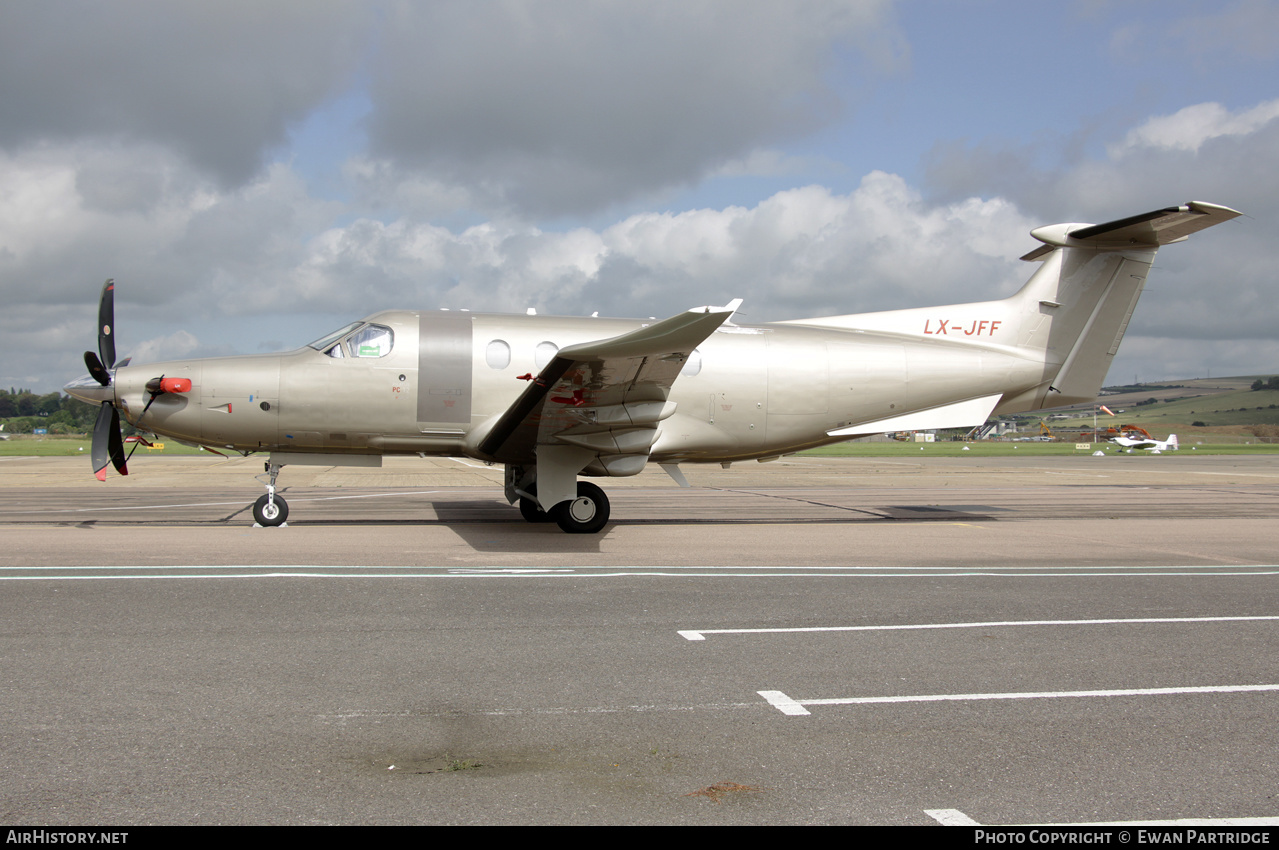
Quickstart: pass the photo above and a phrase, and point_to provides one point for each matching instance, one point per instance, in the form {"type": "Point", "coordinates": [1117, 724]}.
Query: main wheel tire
{"type": "Point", "coordinates": [268, 512]}
{"type": "Point", "coordinates": [586, 514]}
{"type": "Point", "coordinates": [531, 510]}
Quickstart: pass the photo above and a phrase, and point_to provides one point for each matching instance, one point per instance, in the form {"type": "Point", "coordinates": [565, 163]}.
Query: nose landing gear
{"type": "Point", "coordinates": [270, 510]}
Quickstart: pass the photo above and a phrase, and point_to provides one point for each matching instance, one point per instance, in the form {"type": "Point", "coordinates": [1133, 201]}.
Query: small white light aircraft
{"type": "Point", "coordinates": [552, 398]}
{"type": "Point", "coordinates": [1168, 445]}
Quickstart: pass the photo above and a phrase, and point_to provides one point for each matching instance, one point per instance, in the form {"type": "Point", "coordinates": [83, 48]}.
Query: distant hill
{"type": "Point", "coordinates": [1224, 406]}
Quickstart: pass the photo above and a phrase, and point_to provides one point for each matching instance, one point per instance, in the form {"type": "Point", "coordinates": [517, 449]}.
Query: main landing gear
{"type": "Point", "coordinates": [586, 514]}
{"type": "Point", "coordinates": [270, 510]}
{"type": "Point", "coordinates": [579, 507]}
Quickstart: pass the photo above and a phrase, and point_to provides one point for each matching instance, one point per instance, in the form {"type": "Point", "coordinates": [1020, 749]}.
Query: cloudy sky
{"type": "Point", "coordinates": [254, 174]}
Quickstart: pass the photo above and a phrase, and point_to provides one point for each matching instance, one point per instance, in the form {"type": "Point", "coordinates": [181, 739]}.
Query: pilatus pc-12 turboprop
{"type": "Point", "coordinates": [554, 398]}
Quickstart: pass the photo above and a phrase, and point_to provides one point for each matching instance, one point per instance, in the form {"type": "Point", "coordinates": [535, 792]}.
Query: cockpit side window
{"type": "Point", "coordinates": [370, 341]}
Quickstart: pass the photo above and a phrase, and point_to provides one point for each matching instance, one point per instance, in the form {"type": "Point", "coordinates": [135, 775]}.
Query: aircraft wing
{"type": "Point", "coordinates": [606, 396]}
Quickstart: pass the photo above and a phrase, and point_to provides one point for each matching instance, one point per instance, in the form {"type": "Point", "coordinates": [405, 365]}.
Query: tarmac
{"type": "Point", "coordinates": [809, 641]}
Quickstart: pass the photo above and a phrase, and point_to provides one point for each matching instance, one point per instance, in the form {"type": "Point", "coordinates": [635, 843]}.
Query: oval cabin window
{"type": "Point", "coordinates": [497, 354]}
{"type": "Point", "coordinates": [545, 352]}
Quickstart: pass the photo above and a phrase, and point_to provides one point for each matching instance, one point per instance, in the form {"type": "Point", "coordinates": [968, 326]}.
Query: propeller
{"type": "Point", "coordinates": [100, 387]}
{"type": "Point", "coordinates": [108, 442]}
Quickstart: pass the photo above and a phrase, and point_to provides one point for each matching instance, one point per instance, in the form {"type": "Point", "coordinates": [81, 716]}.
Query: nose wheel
{"type": "Point", "coordinates": [270, 510]}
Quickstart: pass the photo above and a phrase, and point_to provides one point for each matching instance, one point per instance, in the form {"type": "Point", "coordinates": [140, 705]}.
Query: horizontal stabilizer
{"type": "Point", "coordinates": [1151, 229]}
{"type": "Point", "coordinates": [1159, 227]}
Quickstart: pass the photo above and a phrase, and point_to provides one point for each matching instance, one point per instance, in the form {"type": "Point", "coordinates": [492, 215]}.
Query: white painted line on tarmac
{"type": "Point", "coordinates": [783, 703]}
{"type": "Point", "coordinates": [791, 706]}
{"type": "Point", "coordinates": [954, 817]}
{"type": "Point", "coordinates": [293, 498]}
{"type": "Point", "coordinates": [950, 817]}
{"type": "Point", "coordinates": [700, 634]}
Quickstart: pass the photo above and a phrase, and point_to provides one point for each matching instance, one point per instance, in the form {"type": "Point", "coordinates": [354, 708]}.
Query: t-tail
{"type": "Point", "coordinates": [1072, 313]}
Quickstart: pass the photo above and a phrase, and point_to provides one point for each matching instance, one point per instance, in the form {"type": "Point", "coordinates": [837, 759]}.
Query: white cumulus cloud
{"type": "Point", "coordinates": [1189, 128]}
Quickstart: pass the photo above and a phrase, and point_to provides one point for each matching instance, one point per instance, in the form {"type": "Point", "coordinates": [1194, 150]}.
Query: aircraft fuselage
{"type": "Point", "coordinates": [749, 391]}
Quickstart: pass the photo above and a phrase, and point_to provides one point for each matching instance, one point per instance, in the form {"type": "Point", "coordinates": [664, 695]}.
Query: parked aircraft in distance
{"type": "Point", "coordinates": [551, 398]}
{"type": "Point", "coordinates": [1168, 445]}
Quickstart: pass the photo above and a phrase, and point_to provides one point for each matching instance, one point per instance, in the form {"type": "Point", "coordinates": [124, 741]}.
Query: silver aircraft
{"type": "Point", "coordinates": [555, 398]}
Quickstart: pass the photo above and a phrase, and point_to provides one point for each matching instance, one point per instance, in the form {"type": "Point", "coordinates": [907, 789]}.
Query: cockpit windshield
{"type": "Point", "coordinates": [358, 339]}
{"type": "Point", "coordinates": [325, 342]}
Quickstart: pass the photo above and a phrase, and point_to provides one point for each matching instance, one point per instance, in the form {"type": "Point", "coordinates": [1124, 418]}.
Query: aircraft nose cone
{"type": "Point", "coordinates": [87, 389]}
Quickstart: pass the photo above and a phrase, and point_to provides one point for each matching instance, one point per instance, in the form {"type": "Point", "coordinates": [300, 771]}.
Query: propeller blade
{"type": "Point", "coordinates": [96, 369]}
{"type": "Point", "coordinates": [116, 444]}
{"type": "Point", "coordinates": [108, 444]}
{"type": "Point", "coordinates": [101, 451]}
{"type": "Point", "coordinates": [106, 325]}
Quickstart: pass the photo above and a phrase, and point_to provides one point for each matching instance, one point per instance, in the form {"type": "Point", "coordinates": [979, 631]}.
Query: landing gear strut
{"type": "Point", "coordinates": [531, 510]}
{"type": "Point", "coordinates": [270, 510]}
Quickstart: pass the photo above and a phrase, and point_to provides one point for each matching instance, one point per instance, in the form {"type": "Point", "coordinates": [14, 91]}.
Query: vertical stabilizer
{"type": "Point", "coordinates": [1096, 274]}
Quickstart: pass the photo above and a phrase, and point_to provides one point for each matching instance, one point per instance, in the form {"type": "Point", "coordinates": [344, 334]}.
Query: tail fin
{"type": "Point", "coordinates": [1172, 442]}
{"type": "Point", "coordinates": [1088, 287]}
{"type": "Point", "coordinates": [1071, 314]}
